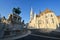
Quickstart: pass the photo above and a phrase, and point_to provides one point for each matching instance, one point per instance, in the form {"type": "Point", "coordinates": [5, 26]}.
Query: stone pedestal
{"type": "Point", "coordinates": [1, 33]}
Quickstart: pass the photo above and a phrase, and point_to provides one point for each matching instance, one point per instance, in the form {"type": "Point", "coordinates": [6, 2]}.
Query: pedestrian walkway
{"type": "Point", "coordinates": [45, 36]}
{"type": "Point", "coordinates": [17, 37]}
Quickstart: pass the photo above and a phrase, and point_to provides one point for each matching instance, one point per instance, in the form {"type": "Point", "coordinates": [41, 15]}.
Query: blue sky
{"type": "Point", "coordinates": [25, 5]}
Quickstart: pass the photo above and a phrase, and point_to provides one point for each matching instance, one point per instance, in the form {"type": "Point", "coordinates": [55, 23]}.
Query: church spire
{"type": "Point", "coordinates": [35, 16]}
{"type": "Point", "coordinates": [31, 14]}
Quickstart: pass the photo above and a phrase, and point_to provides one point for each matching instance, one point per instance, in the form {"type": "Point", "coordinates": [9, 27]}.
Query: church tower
{"type": "Point", "coordinates": [31, 14]}
{"type": "Point", "coordinates": [35, 16]}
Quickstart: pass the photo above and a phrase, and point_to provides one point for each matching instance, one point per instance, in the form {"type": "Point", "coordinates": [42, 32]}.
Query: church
{"type": "Point", "coordinates": [44, 20]}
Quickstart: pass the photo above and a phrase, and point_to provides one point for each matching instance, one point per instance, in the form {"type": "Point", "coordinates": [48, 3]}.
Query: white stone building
{"type": "Point", "coordinates": [44, 20]}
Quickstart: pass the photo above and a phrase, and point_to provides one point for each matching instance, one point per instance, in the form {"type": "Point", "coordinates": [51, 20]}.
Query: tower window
{"type": "Point", "coordinates": [52, 21]}
{"type": "Point", "coordinates": [45, 16]}
{"type": "Point", "coordinates": [51, 15]}
{"type": "Point", "coordinates": [30, 21]}
{"type": "Point", "coordinates": [39, 22]}
{"type": "Point", "coordinates": [47, 21]}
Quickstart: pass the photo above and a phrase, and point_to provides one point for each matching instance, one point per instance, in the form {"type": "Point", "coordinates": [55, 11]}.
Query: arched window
{"type": "Point", "coordinates": [39, 21]}
{"type": "Point", "coordinates": [51, 15]}
{"type": "Point", "coordinates": [59, 24]}
{"type": "Point", "coordinates": [46, 21]}
{"type": "Point", "coordinates": [52, 20]}
{"type": "Point", "coordinates": [45, 16]}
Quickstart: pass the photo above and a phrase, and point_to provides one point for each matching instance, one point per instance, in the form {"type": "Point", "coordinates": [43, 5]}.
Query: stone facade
{"type": "Point", "coordinates": [58, 18]}
{"type": "Point", "coordinates": [13, 22]}
{"type": "Point", "coordinates": [45, 20]}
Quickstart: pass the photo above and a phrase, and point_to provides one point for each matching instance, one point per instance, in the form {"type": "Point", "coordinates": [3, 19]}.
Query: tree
{"type": "Point", "coordinates": [16, 10]}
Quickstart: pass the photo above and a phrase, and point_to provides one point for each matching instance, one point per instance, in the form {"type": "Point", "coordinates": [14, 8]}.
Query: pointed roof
{"type": "Point", "coordinates": [37, 15]}
{"type": "Point", "coordinates": [58, 17]}
{"type": "Point", "coordinates": [31, 11]}
{"type": "Point", "coordinates": [45, 12]}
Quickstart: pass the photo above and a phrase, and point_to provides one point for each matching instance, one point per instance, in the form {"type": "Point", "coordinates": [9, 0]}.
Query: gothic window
{"type": "Point", "coordinates": [59, 24]}
{"type": "Point", "coordinates": [52, 20]}
{"type": "Point", "coordinates": [51, 15]}
{"type": "Point", "coordinates": [47, 21]}
{"type": "Point", "coordinates": [46, 16]}
{"type": "Point", "coordinates": [39, 21]}
{"type": "Point", "coordinates": [30, 21]}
